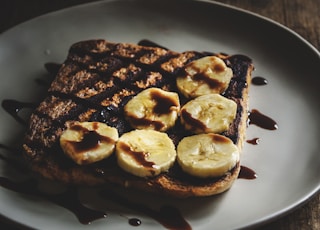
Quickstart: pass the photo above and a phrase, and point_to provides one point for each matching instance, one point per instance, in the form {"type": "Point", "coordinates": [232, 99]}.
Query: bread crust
{"type": "Point", "coordinates": [94, 83]}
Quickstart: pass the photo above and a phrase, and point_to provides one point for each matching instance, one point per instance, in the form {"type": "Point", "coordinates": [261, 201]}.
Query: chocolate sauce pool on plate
{"type": "Point", "coordinates": [68, 199]}
{"type": "Point", "coordinates": [261, 120]}
{"type": "Point", "coordinates": [52, 67]}
{"type": "Point", "coordinates": [13, 107]}
{"type": "Point", "coordinates": [259, 81]}
{"type": "Point", "coordinates": [146, 42]}
{"type": "Point", "coordinates": [168, 216]}
{"type": "Point", "coordinates": [254, 141]}
{"type": "Point", "coordinates": [134, 221]}
{"type": "Point", "coordinates": [247, 173]}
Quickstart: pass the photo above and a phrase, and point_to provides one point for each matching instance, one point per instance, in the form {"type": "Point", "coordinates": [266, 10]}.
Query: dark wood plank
{"type": "Point", "coordinates": [301, 16]}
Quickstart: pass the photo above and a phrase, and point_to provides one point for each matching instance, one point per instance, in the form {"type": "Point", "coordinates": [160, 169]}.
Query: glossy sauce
{"type": "Point", "coordinates": [139, 157]}
{"type": "Point", "coordinates": [14, 159]}
{"type": "Point", "coordinates": [202, 76]}
{"type": "Point", "coordinates": [42, 82]}
{"type": "Point", "coordinates": [134, 222]}
{"type": "Point", "coordinates": [68, 199]}
{"type": "Point", "coordinates": [164, 104]}
{"type": "Point", "coordinates": [146, 42]}
{"type": "Point", "coordinates": [261, 120]}
{"type": "Point", "coordinates": [259, 81]}
{"type": "Point", "coordinates": [254, 141]}
{"type": "Point", "coordinates": [91, 139]}
{"type": "Point", "coordinates": [220, 139]}
{"type": "Point", "coordinates": [13, 107]}
{"type": "Point", "coordinates": [190, 120]}
{"type": "Point", "coordinates": [52, 67]}
{"type": "Point", "coordinates": [212, 83]}
{"type": "Point", "coordinates": [146, 122]}
{"type": "Point", "coordinates": [247, 173]}
{"type": "Point", "coordinates": [168, 216]}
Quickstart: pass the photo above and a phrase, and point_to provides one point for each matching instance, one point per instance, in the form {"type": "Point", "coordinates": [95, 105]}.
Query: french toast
{"type": "Point", "coordinates": [96, 81]}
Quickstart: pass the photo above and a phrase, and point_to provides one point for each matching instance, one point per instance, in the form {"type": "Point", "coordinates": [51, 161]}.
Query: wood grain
{"type": "Point", "coordinates": [302, 16]}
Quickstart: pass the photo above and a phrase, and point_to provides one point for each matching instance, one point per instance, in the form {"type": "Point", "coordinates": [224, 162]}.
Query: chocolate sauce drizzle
{"type": "Point", "coordinates": [134, 222]}
{"type": "Point", "coordinates": [68, 199]}
{"type": "Point", "coordinates": [42, 82]}
{"type": "Point", "coordinates": [13, 107]}
{"type": "Point", "coordinates": [138, 156]}
{"type": "Point", "coordinates": [247, 173]}
{"type": "Point", "coordinates": [146, 42]}
{"type": "Point", "coordinates": [90, 141]}
{"type": "Point", "coordinates": [261, 120]}
{"type": "Point", "coordinates": [168, 216]}
{"type": "Point", "coordinates": [52, 67]}
{"type": "Point", "coordinates": [254, 141]}
{"type": "Point", "coordinates": [259, 81]}
{"type": "Point", "coordinates": [15, 161]}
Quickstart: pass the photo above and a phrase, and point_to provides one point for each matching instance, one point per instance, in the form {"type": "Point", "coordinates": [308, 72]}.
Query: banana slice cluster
{"type": "Point", "coordinates": [147, 150]}
{"type": "Point", "coordinates": [207, 153]}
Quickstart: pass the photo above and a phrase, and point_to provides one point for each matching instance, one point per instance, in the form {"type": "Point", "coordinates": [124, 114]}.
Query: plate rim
{"type": "Point", "coordinates": [272, 22]}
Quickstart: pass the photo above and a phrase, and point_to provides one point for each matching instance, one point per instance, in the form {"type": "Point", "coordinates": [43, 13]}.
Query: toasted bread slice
{"type": "Point", "coordinates": [94, 83]}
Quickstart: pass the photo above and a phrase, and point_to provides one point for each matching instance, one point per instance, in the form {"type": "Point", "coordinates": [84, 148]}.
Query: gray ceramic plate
{"type": "Point", "coordinates": [286, 161]}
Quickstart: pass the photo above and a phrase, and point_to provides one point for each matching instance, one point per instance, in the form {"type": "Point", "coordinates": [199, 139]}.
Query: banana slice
{"type": "Point", "coordinates": [207, 155]}
{"type": "Point", "coordinates": [88, 142]}
{"type": "Point", "coordinates": [145, 153]}
{"type": "Point", "coordinates": [153, 108]}
{"type": "Point", "coordinates": [210, 113]}
{"type": "Point", "coordinates": [204, 76]}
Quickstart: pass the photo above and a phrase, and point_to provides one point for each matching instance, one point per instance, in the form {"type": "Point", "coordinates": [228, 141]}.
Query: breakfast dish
{"type": "Point", "coordinates": [143, 117]}
{"type": "Point", "coordinates": [185, 25]}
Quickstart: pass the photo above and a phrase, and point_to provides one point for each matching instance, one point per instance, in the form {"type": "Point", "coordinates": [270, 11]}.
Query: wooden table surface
{"type": "Point", "coordinates": [302, 16]}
